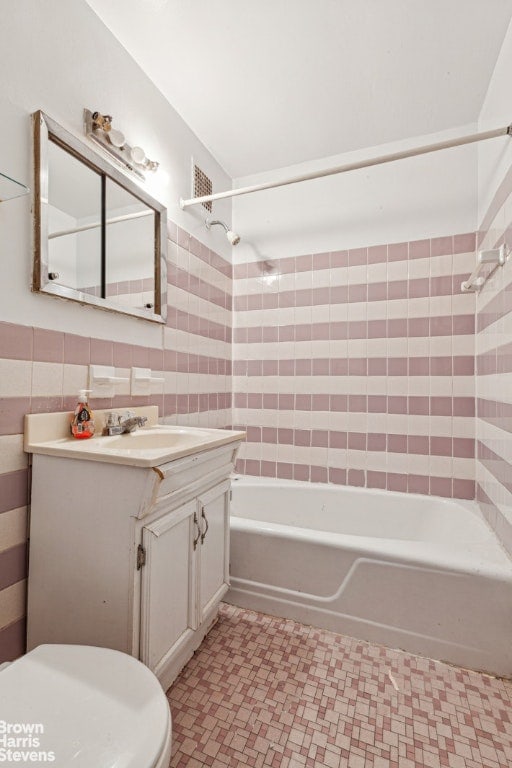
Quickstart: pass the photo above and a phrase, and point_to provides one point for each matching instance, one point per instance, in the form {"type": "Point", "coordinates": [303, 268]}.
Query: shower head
{"type": "Point", "coordinates": [233, 238]}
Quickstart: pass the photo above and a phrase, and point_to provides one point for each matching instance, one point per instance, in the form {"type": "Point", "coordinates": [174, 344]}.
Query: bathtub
{"type": "Point", "coordinates": [419, 573]}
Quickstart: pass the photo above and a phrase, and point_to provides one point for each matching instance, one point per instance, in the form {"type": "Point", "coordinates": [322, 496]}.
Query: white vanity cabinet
{"type": "Point", "coordinates": [171, 617]}
{"type": "Point", "coordinates": [129, 557]}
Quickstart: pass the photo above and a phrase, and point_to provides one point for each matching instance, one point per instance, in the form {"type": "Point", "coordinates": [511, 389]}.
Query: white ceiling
{"type": "Point", "coordinates": [270, 83]}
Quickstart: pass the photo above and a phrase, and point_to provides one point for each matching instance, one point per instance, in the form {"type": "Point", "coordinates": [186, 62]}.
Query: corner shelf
{"type": "Point", "coordinates": [10, 188]}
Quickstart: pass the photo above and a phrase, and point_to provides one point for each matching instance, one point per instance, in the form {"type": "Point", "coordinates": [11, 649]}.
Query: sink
{"type": "Point", "coordinates": [155, 444]}
{"type": "Point", "coordinates": [157, 438]}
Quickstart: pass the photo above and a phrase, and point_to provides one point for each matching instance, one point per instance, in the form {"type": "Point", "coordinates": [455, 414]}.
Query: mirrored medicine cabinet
{"type": "Point", "coordinates": [98, 237]}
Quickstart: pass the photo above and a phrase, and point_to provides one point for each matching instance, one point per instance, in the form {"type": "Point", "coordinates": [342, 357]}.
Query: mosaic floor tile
{"type": "Point", "coordinates": [265, 692]}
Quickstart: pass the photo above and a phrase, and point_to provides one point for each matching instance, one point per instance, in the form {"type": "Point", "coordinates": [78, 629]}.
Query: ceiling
{"type": "Point", "coordinates": [270, 83]}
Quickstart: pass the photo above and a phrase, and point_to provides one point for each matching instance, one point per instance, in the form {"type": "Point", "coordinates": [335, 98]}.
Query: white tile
{"type": "Point", "coordinates": [47, 379]}
{"type": "Point", "coordinates": [13, 528]}
{"type": "Point", "coordinates": [15, 378]}
{"type": "Point", "coordinates": [12, 456]}
{"type": "Point", "coordinates": [12, 603]}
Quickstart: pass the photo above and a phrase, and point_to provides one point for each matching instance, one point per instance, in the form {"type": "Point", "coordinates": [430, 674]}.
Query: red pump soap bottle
{"type": "Point", "coordinates": [82, 424]}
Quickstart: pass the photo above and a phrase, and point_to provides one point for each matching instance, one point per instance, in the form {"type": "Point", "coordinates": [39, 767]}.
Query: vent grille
{"type": "Point", "coordinates": [202, 186]}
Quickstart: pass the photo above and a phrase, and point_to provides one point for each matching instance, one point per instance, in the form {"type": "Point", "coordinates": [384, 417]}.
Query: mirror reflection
{"type": "Point", "coordinates": [100, 239]}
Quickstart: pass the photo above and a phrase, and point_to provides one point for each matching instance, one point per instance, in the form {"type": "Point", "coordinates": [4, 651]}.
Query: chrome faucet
{"type": "Point", "coordinates": [118, 424]}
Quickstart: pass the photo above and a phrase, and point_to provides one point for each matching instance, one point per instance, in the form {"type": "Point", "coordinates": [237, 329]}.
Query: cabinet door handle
{"type": "Point", "coordinates": [203, 533]}
{"type": "Point", "coordinates": [196, 539]}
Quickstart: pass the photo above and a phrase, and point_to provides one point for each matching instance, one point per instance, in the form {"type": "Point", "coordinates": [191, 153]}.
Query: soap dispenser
{"type": "Point", "coordinates": [82, 424]}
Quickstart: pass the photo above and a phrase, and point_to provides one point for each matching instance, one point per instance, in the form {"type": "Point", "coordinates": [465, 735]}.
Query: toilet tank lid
{"type": "Point", "coordinates": [87, 705]}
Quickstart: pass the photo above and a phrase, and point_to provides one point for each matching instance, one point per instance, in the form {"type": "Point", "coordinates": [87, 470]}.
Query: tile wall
{"type": "Point", "coordinates": [42, 371]}
{"type": "Point", "coordinates": [357, 367]}
{"type": "Point", "coordinates": [494, 373]}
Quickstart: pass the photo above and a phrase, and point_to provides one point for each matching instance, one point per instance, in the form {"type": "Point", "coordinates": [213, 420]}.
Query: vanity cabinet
{"type": "Point", "coordinates": [129, 557]}
{"type": "Point", "coordinates": [188, 547]}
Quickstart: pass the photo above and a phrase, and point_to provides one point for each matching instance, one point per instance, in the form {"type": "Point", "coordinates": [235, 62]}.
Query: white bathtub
{"type": "Point", "coordinates": [419, 573]}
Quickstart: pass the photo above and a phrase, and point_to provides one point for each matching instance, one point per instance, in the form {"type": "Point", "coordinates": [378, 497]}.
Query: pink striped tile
{"type": "Point", "coordinates": [419, 249]}
{"type": "Point", "coordinates": [270, 401]}
{"type": "Point", "coordinates": [339, 259]}
{"type": "Point", "coordinates": [463, 489]}
{"type": "Point", "coordinates": [12, 641]}
{"type": "Point", "coordinates": [320, 402]}
{"type": "Point", "coordinates": [418, 444]}
{"type": "Point", "coordinates": [441, 446]}
{"type": "Point", "coordinates": [12, 414]}
{"type": "Point", "coordinates": [13, 565]}
{"type": "Point", "coordinates": [338, 439]}
{"type": "Point", "coordinates": [13, 490]}
{"type": "Point", "coordinates": [284, 470]}
{"type": "Point", "coordinates": [418, 484]}
{"type": "Point", "coordinates": [376, 442]}
{"type": "Point", "coordinates": [377, 254]}
{"type": "Point", "coordinates": [48, 346]}
{"type": "Point", "coordinates": [464, 406]}
{"type": "Point", "coordinates": [357, 257]}
{"type": "Point", "coordinates": [441, 246]}
{"type": "Point", "coordinates": [16, 341]}
{"type": "Point", "coordinates": [319, 439]}
{"type": "Point", "coordinates": [319, 474]}
{"type": "Point", "coordinates": [338, 403]}
{"type": "Point", "coordinates": [304, 263]}
{"type": "Point", "coordinates": [398, 252]}
{"type": "Point", "coordinates": [376, 479]}
{"type": "Point", "coordinates": [356, 477]}
{"type": "Point", "coordinates": [321, 261]}
{"type": "Point", "coordinates": [76, 349]}
{"type": "Point", "coordinates": [419, 366]}
{"type": "Point", "coordinates": [300, 472]}
{"type": "Point", "coordinates": [464, 243]}
{"type": "Point", "coordinates": [396, 482]}
{"type": "Point", "coordinates": [397, 289]}
{"type": "Point", "coordinates": [397, 444]}
{"type": "Point", "coordinates": [356, 441]}
{"type": "Point", "coordinates": [337, 476]}
{"type": "Point", "coordinates": [441, 486]}
{"type": "Point", "coordinates": [268, 469]}
{"type": "Point", "coordinates": [302, 437]}
{"type": "Point", "coordinates": [286, 402]}
{"type": "Point", "coordinates": [377, 291]}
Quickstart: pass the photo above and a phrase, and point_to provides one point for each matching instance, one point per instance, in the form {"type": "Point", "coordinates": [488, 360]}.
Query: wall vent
{"type": "Point", "coordinates": [202, 186]}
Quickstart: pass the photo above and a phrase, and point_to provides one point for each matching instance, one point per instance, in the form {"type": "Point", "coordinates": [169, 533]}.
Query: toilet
{"type": "Point", "coordinates": [83, 707]}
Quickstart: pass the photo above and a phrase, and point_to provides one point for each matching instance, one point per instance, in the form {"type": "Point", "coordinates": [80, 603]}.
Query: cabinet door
{"type": "Point", "coordinates": [168, 595]}
{"type": "Point", "coordinates": [213, 566]}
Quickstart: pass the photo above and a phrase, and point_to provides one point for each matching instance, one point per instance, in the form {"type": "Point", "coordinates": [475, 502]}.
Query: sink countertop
{"type": "Point", "coordinates": [149, 446]}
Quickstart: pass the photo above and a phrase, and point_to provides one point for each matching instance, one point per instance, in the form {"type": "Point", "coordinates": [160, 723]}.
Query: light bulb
{"type": "Point", "coordinates": [138, 155]}
{"type": "Point", "coordinates": [117, 138]}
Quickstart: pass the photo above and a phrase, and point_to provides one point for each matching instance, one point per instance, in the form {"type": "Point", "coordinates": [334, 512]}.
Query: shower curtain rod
{"type": "Point", "coordinates": [506, 131]}
{"type": "Point", "coordinates": [97, 224]}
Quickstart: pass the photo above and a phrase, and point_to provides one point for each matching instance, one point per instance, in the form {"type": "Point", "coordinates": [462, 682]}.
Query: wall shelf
{"type": "Point", "coordinates": [10, 188]}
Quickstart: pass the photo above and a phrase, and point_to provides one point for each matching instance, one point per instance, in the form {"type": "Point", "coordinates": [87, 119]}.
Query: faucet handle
{"type": "Point", "coordinates": [113, 419]}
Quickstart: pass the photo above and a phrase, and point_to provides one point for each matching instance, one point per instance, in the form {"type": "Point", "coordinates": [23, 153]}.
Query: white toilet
{"type": "Point", "coordinates": [83, 707]}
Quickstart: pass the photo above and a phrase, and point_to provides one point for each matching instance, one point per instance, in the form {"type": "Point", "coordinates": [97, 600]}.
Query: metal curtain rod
{"type": "Point", "coordinates": [506, 131]}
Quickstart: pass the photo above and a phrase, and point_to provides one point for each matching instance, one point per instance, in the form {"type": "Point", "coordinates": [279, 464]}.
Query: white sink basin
{"type": "Point", "coordinates": [150, 446]}
{"type": "Point", "coordinates": [155, 438]}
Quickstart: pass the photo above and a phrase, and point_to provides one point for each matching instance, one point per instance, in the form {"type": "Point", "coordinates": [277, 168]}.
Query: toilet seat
{"type": "Point", "coordinates": [95, 708]}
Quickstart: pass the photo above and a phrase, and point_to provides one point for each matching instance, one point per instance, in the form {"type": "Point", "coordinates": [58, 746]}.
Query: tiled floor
{"type": "Point", "coordinates": [270, 692]}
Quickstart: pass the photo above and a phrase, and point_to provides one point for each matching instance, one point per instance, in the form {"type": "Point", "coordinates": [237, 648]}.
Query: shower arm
{"type": "Point", "coordinates": [423, 150]}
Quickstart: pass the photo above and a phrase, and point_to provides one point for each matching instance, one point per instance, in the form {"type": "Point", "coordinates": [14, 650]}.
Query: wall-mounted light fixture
{"type": "Point", "coordinates": [99, 128]}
